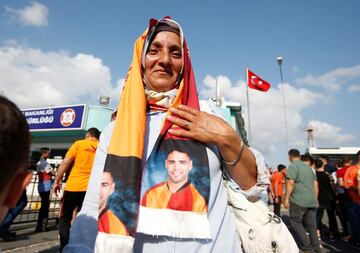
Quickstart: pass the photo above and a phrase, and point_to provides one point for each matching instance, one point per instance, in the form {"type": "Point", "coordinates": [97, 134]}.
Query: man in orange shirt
{"type": "Point", "coordinates": [351, 184]}
{"type": "Point", "coordinates": [82, 154]}
{"type": "Point", "coordinates": [277, 183]}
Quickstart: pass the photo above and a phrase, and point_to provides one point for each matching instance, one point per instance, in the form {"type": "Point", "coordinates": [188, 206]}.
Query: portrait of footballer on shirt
{"type": "Point", "coordinates": [108, 221]}
{"type": "Point", "coordinates": [179, 183]}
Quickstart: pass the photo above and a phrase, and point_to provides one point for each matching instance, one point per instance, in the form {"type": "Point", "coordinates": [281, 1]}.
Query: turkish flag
{"type": "Point", "coordinates": [255, 82]}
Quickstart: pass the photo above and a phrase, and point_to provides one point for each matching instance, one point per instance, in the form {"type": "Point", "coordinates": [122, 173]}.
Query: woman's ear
{"type": "Point", "coordinates": [16, 187]}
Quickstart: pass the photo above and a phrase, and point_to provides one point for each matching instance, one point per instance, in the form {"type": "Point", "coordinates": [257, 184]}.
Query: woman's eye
{"type": "Point", "coordinates": [176, 54]}
{"type": "Point", "coordinates": [152, 51]}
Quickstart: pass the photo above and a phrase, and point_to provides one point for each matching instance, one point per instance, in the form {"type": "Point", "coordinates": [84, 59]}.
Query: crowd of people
{"type": "Point", "coordinates": [309, 187]}
{"type": "Point", "coordinates": [154, 179]}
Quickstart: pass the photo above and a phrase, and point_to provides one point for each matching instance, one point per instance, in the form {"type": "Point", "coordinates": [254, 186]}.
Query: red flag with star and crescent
{"type": "Point", "coordinates": [256, 83]}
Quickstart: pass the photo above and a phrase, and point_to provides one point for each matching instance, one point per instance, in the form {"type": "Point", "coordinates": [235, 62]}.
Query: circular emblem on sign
{"type": "Point", "coordinates": [67, 117]}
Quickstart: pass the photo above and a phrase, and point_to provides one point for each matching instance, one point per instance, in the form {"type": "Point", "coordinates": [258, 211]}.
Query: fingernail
{"type": "Point", "coordinates": [169, 117]}
{"type": "Point", "coordinates": [172, 109]}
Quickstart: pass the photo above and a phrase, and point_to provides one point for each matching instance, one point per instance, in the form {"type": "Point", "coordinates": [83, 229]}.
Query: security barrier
{"type": "Point", "coordinates": [31, 211]}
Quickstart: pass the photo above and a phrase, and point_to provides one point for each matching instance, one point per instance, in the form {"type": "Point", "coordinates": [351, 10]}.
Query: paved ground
{"type": "Point", "coordinates": [328, 247]}
{"type": "Point", "coordinates": [29, 242]}
{"type": "Point", "coordinates": [47, 242]}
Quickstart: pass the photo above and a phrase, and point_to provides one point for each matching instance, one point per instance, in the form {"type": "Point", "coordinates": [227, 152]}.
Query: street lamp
{"type": "Point", "coordinates": [279, 60]}
{"type": "Point", "coordinates": [104, 100]}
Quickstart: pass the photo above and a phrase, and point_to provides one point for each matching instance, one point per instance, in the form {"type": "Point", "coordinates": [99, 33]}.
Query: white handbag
{"type": "Point", "coordinates": [258, 229]}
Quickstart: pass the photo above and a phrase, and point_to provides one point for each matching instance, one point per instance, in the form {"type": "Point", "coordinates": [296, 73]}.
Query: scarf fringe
{"type": "Point", "coordinates": [173, 223]}
{"type": "Point", "coordinates": [111, 243]}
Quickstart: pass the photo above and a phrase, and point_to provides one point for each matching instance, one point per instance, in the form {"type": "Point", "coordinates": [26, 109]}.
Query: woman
{"type": "Point", "coordinates": [158, 112]}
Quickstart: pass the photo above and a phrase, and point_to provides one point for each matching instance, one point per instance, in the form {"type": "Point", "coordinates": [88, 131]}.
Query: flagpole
{"type": "Point", "coordinates": [248, 105]}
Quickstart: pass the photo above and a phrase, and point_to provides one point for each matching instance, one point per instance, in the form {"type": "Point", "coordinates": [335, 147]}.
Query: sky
{"type": "Point", "coordinates": [70, 52]}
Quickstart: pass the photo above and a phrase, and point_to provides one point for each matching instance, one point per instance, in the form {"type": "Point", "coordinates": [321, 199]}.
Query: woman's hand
{"type": "Point", "coordinates": [200, 126]}
{"type": "Point", "coordinates": [207, 128]}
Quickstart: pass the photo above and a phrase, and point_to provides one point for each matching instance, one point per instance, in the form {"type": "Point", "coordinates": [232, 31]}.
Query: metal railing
{"type": "Point", "coordinates": [31, 211]}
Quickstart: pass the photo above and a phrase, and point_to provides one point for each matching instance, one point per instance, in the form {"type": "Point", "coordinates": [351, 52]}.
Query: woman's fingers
{"type": "Point", "coordinates": [181, 133]}
{"type": "Point", "coordinates": [201, 126]}
{"type": "Point", "coordinates": [187, 115]}
{"type": "Point", "coordinates": [198, 125]}
{"type": "Point", "coordinates": [188, 109]}
{"type": "Point", "coordinates": [184, 116]}
{"type": "Point", "coordinates": [179, 121]}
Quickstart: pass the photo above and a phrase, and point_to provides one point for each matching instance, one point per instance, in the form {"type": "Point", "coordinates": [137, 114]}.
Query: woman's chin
{"type": "Point", "coordinates": [162, 85]}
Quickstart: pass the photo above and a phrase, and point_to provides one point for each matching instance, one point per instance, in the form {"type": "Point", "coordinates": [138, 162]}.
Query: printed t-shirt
{"type": "Point", "coordinates": [277, 177]}
{"type": "Point", "coordinates": [303, 193]}
{"type": "Point", "coordinates": [44, 170]}
{"type": "Point", "coordinates": [83, 152]}
{"type": "Point", "coordinates": [350, 179]}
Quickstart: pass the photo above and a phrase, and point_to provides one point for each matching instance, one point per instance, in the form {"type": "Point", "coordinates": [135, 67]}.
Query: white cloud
{"type": "Point", "coordinates": [34, 14]}
{"type": "Point", "coordinates": [354, 88]}
{"type": "Point", "coordinates": [267, 113]}
{"type": "Point", "coordinates": [33, 78]}
{"type": "Point", "coordinates": [333, 80]}
{"type": "Point", "coordinates": [328, 134]}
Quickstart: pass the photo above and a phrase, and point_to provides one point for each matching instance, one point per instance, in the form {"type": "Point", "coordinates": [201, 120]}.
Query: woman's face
{"type": "Point", "coordinates": [163, 62]}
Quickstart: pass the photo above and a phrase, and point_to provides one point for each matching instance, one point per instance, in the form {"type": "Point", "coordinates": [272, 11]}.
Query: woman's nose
{"type": "Point", "coordinates": [164, 58]}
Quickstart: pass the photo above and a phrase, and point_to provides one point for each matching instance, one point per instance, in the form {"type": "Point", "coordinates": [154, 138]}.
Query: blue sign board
{"type": "Point", "coordinates": [55, 118]}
